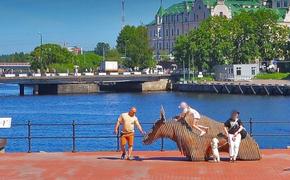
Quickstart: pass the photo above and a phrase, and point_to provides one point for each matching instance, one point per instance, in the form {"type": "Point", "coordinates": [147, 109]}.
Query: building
{"type": "Point", "coordinates": [180, 18]}
{"type": "Point", "coordinates": [74, 49]}
{"type": "Point", "coordinates": [236, 72]}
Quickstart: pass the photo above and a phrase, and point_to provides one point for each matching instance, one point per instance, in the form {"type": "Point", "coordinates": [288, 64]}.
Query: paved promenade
{"type": "Point", "coordinates": [150, 165]}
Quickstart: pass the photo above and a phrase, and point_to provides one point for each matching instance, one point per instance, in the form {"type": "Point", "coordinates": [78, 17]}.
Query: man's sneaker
{"type": "Point", "coordinates": [130, 158]}
{"type": "Point", "coordinates": [123, 156]}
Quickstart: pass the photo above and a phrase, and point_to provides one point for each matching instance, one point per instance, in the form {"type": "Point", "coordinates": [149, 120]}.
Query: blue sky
{"type": "Point", "coordinates": [76, 22]}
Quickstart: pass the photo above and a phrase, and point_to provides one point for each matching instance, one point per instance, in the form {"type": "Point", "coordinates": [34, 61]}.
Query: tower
{"type": "Point", "coordinates": [123, 13]}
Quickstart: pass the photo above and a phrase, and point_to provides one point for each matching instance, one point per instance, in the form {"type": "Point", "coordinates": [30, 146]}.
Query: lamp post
{"type": "Point", "coordinates": [41, 40]}
{"type": "Point", "coordinates": [192, 67]}
{"type": "Point", "coordinates": [183, 66]}
{"type": "Point", "coordinates": [189, 68]}
{"type": "Point", "coordinates": [126, 41]}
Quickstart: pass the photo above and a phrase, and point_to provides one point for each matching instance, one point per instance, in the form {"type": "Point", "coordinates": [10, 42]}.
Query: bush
{"type": "Point", "coordinates": [62, 68]}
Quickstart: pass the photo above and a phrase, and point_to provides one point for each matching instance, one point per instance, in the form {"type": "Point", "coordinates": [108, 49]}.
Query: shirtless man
{"type": "Point", "coordinates": [128, 120]}
{"type": "Point", "coordinates": [196, 117]}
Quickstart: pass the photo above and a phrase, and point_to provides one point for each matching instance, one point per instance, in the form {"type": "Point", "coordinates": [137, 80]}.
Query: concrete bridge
{"type": "Point", "coordinates": [45, 85]}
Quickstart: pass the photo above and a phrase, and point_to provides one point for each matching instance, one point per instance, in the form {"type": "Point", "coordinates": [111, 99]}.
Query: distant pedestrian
{"type": "Point", "coordinates": [233, 128]}
{"type": "Point", "coordinates": [128, 120]}
{"type": "Point", "coordinates": [186, 109]}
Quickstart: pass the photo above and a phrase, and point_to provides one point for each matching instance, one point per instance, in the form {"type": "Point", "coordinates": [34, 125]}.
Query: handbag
{"type": "Point", "coordinates": [243, 133]}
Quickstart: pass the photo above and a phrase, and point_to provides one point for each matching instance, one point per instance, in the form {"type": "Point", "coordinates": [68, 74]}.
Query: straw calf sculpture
{"type": "Point", "coordinates": [194, 147]}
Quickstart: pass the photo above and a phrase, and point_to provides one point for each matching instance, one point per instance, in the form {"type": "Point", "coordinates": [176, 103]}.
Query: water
{"type": "Point", "coordinates": [105, 108]}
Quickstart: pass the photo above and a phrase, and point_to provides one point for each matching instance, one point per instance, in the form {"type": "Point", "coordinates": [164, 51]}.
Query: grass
{"type": "Point", "coordinates": [200, 80]}
{"type": "Point", "coordinates": [276, 76]}
{"type": "Point", "coordinates": [205, 79]}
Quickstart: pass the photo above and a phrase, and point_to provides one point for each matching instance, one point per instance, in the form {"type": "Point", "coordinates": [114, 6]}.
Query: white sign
{"type": "Point", "coordinates": [5, 122]}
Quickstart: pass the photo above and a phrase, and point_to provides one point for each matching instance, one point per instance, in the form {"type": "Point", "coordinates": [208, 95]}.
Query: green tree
{"type": "Point", "coordinates": [113, 55]}
{"type": "Point", "coordinates": [133, 43]}
{"type": "Point", "coordinates": [209, 45]}
{"type": "Point", "coordinates": [269, 34]}
{"type": "Point", "coordinates": [15, 57]}
{"type": "Point", "coordinates": [247, 37]}
{"type": "Point", "coordinates": [43, 56]}
{"type": "Point", "coordinates": [246, 49]}
{"type": "Point", "coordinates": [101, 48]}
{"type": "Point", "coordinates": [87, 61]}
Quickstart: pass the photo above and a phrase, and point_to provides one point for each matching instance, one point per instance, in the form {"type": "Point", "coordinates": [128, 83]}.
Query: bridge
{"type": "Point", "coordinates": [44, 85]}
{"type": "Point", "coordinates": [14, 67]}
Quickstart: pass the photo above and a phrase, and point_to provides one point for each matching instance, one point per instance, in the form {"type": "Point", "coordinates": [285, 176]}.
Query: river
{"type": "Point", "coordinates": [105, 108]}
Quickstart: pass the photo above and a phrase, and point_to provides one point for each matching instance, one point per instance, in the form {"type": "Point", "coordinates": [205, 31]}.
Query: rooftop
{"type": "Point", "coordinates": [148, 165]}
{"type": "Point", "coordinates": [235, 5]}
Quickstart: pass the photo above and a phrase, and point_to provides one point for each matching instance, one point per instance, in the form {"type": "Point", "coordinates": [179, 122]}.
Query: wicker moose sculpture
{"type": "Point", "coordinates": [194, 147]}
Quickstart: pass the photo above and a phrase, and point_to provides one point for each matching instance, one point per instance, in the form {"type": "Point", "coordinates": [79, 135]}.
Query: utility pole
{"type": "Point", "coordinates": [41, 41]}
{"type": "Point", "coordinates": [192, 66]}
{"type": "Point", "coordinates": [123, 14]}
{"type": "Point", "coordinates": [189, 68]}
{"type": "Point", "coordinates": [183, 71]}
{"type": "Point", "coordinates": [103, 52]}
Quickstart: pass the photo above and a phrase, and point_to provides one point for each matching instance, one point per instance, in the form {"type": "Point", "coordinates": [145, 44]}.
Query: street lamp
{"type": "Point", "coordinates": [126, 41]}
{"type": "Point", "coordinates": [193, 71]}
{"type": "Point", "coordinates": [183, 66]}
{"type": "Point", "coordinates": [41, 40]}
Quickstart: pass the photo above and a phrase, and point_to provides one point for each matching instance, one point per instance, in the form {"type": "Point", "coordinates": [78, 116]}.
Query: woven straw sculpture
{"type": "Point", "coordinates": [193, 146]}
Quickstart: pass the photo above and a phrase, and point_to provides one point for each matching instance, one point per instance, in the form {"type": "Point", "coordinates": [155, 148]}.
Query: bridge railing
{"type": "Point", "coordinates": [29, 137]}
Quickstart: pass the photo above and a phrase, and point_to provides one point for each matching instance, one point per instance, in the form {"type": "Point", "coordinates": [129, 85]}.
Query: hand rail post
{"type": "Point", "coordinates": [251, 127]}
{"type": "Point", "coordinates": [162, 144]}
{"type": "Point", "coordinates": [73, 137]}
{"type": "Point", "coordinates": [29, 136]}
{"type": "Point", "coordinates": [118, 140]}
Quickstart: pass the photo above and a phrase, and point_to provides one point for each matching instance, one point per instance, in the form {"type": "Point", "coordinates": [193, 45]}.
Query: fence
{"type": "Point", "coordinates": [73, 138]}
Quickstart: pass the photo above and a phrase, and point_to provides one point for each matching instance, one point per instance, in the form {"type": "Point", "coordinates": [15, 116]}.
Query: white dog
{"type": "Point", "coordinates": [215, 151]}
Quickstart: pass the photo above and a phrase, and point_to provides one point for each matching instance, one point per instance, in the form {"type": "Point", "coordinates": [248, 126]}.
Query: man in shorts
{"type": "Point", "coordinates": [185, 108]}
{"type": "Point", "coordinates": [128, 120]}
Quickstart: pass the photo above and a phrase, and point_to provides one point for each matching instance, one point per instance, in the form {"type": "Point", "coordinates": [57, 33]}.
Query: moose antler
{"type": "Point", "coordinates": [162, 114]}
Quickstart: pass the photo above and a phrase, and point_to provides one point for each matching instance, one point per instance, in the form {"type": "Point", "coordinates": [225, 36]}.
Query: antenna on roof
{"type": "Point", "coordinates": [123, 13]}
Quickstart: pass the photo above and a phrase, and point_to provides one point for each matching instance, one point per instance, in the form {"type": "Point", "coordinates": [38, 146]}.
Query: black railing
{"type": "Point", "coordinates": [73, 125]}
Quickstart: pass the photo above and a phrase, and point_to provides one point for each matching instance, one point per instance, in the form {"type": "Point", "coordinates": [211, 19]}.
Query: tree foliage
{"type": "Point", "coordinates": [54, 57]}
{"type": "Point", "coordinates": [133, 43]}
{"type": "Point", "coordinates": [101, 48]}
{"type": "Point", "coordinates": [246, 38]}
{"type": "Point", "coordinates": [15, 57]}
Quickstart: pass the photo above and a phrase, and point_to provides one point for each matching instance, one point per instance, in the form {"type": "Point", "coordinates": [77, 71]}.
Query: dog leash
{"type": "Point", "coordinates": [223, 145]}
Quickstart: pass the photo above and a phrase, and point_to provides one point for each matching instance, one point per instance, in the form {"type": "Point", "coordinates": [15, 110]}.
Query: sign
{"type": "Point", "coordinates": [5, 122]}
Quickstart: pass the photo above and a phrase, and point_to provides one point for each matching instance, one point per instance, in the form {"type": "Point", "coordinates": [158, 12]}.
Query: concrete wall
{"type": "Point", "coordinates": [161, 85]}
{"type": "Point", "coordinates": [77, 88]}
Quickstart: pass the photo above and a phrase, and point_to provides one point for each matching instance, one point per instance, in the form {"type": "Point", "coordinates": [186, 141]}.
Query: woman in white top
{"type": "Point", "coordinates": [196, 117]}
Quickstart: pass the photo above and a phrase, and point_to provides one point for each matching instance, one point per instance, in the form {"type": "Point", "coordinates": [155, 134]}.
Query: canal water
{"type": "Point", "coordinates": [103, 108]}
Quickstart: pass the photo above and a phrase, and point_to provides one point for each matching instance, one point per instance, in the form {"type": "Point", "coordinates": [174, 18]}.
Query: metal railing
{"type": "Point", "coordinates": [74, 137]}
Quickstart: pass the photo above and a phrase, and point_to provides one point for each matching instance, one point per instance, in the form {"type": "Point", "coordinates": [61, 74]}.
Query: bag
{"type": "Point", "coordinates": [243, 133]}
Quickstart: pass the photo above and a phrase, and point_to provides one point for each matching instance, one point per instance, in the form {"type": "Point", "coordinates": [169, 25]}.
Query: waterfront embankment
{"type": "Point", "coordinates": [148, 165]}
{"type": "Point", "coordinates": [253, 87]}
